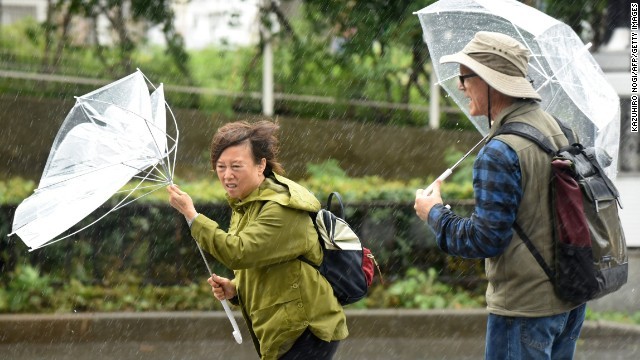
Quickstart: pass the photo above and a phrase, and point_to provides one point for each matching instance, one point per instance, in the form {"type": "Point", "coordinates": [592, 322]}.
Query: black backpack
{"type": "Point", "coordinates": [590, 249]}
{"type": "Point", "coordinates": [346, 264]}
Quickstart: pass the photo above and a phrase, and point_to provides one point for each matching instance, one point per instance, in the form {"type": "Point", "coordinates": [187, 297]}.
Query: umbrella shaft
{"type": "Point", "coordinates": [468, 152]}
{"type": "Point", "coordinates": [206, 263]}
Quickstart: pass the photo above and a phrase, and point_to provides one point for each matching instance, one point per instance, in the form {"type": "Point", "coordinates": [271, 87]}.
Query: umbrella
{"type": "Point", "coordinates": [564, 73]}
{"type": "Point", "coordinates": [111, 135]}
{"type": "Point", "coordinates": [113, 141]}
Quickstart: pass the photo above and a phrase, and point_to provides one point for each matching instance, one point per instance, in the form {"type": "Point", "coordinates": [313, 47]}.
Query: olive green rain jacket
{"type": "Point", "coordinates": [280, 296]}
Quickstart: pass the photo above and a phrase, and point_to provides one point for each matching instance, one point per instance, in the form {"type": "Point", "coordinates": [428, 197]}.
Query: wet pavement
{"type": "Point", "coordinates": [374, 335]}
{"type": "Point", "coordinates": [351, 349]}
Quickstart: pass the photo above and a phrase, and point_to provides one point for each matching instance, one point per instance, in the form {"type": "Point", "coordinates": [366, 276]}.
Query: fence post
{"type": "Point", "coordinates": [434, 102]}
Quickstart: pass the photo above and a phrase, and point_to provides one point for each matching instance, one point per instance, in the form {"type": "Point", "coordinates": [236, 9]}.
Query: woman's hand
{"type": "Point", "coordinates": [222, 288]}
{"type": "Point", "coordinates": [182, 202]}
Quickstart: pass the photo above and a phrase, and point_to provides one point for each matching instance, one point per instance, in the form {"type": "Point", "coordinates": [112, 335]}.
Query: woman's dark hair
{"type": "Point", "coordinates": [261, 137]}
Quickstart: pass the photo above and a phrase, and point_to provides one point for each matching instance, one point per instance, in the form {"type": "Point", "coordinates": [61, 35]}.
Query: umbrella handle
{"type": "Point", "coordinates": [448, 172]}
{"type": "Point", "coordinates": [236, 331]}
{"type": "Point", "coordinates": [442, 177]}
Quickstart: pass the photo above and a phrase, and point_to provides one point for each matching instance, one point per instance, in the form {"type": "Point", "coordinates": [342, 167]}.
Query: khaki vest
{"type": "Point", "coordinates": [517, 284]}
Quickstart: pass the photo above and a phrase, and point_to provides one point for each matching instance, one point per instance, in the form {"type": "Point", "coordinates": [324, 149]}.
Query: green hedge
{"type": "Point", "coordinates": [146, 246]}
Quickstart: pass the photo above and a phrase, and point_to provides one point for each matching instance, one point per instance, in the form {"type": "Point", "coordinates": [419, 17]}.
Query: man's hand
{"type": "Point", "coordinates": [424, 202]}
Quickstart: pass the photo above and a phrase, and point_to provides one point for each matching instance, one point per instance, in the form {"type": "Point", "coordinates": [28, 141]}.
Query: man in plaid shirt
{"type": "Point", "coordinates": [511, 183]}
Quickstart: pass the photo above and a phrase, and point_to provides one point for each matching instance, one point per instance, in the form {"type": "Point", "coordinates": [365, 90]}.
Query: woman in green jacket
{"type": "Point", "coordinates": [288, 306]}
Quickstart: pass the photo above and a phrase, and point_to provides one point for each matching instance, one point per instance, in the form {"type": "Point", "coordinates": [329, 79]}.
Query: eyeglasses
{"type": "Point", "coordinates": [462, 77]}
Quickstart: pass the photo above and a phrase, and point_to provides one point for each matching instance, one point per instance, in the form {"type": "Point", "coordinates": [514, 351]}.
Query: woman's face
{"type": "Point", "coordinates": [475, 89]}
{"type": "Point", "coordinates": [237, 171]}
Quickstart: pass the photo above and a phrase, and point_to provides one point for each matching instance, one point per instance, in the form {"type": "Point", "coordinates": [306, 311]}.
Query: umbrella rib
{"type": "Point", "coordinates": [163, 177]}
{"type": "Point", "coordinates": [555, 75]}
{"type": "Point", "coordinates": [171, 167]}
{"type": "Point", "coordinates": [174, 148]}
{"type": "Point", "coordinates": [120, 205]}
{"type": "Point", "coordinates": [94, 170]}
{"type": "Point", "coordinates": [157, 147]}
{"type": "Point", "coordinates": [175, 144]}
{"type": "Point", "coordinates": [154, 178]}
{"type": "Point", "coordinates": [116, 207]}
{"type": "Point", "coordinates": [77, 176]}
{"type": "Point", "coordinates": [139, 116]}
{"type": "Point", "coordinates": [140, 188]}
{"type": "Point", "coordinates": [539, 68]}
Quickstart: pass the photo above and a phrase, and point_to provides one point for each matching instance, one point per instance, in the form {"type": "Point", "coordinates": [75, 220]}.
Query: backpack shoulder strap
{"type": "Point", "coordinates": [534, 251]}
{"type": "Point", "coordinates": [531, 133]}
{"type": "Point", "coordinates": [528, 132]}
{"type": "Point", "coordinates": [302, 258]}
{"type": "Point", "coordinates": [566, 130]}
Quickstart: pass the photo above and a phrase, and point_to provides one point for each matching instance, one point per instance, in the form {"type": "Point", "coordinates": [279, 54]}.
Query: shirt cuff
{"type": "Point", "coordinates": [190, 221]}
{"type": "Point", "coordinates": [435, 213]}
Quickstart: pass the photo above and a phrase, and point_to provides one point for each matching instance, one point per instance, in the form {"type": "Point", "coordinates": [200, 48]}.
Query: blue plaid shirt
{"type": "Point", "coordinates": [497, 189]}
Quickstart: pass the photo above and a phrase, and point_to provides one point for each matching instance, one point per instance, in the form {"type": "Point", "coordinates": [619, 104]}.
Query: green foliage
{"type": "Point", "coordinates": [323, 179]}
{"type": "Point", "coordinates": [14, 190]}
{"type": "Point", "coordinates": [422, 290]}
{"type": "Point", "coordinates": [134, 296]}
{"type": "Point", "coordinates": [201, 190]}
{"type": "Point", "coordinates": [29, 291]}
{"type": "Point", "coordinates": [464, 171]}
{"type": "Point", "coordinates": [614, 316]}
{"type": "Point", "coordinates": [586, 17]}
{"type": "Point", "coordinates": [328, 169]}
{"type": "Point", "coordinates": [131, 245]}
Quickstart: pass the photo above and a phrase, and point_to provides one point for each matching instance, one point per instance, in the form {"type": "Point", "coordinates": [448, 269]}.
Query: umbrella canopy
{"type": "Point", "coordinates": [564, 73]}
{"type": "Point", "coordinates": [110, 136]}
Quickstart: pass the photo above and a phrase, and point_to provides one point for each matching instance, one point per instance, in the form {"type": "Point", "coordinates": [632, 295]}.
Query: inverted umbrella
{"type": "Point", "coordinates": [113, 137]}
{"type": "Point", "coordinates": [561, 68]}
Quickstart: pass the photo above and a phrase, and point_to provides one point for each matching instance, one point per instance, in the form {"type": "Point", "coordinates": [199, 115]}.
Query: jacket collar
{"type": "Point", "coordinates": [516, 109]}
{"type": "Point", "coordinates": [282, 191]}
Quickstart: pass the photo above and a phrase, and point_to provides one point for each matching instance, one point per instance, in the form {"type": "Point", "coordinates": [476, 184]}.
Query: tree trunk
{"type": "Point", "coordinates": [48, 29]}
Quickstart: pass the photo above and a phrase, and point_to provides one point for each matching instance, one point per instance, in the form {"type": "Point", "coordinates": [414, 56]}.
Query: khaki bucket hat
{"type": "Point", "coordinates": [499, 60]}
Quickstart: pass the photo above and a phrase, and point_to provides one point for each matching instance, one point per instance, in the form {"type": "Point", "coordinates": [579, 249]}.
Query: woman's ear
{"type": "Point", "coordinates": [262, 165]}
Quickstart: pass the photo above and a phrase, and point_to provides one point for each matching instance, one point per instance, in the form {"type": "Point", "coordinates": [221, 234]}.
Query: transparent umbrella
{"type": "Point", "coordinates": [113, 143]}
{"type": "Point", "coordinates": [564, 73]}
{"type": "Point", "coordinates": [111, 136]}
